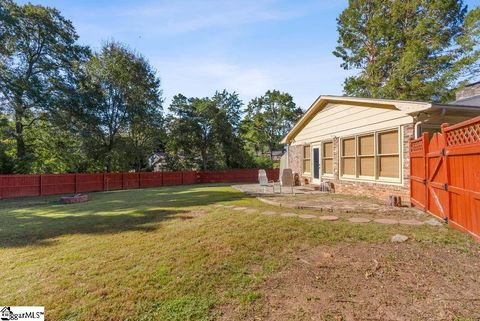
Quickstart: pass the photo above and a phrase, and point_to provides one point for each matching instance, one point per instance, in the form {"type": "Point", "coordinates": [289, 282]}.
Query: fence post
{"type": "Point", "coordinates": [443, 127]}
{"type": "Point", "coordinates": [139, 185]}
{"type": "Point", "coordinates": [123, 180]}
{"type": "Point", "coordinates": [75, 181]}
{"type": "Point", "coordinates": [182, 176]}
{"type": "Point", "coordinates": [426, 144]}
{"type": "Point", "coordinates": [41, 184]}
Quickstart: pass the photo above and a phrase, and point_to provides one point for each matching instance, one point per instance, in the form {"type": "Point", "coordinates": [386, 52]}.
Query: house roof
{"type": "Point", "coordinates": [409, 107]}
{"type": "Point", "coordinates": [322, 101]}
{"type": "Point", "coordinates": [469, 101]}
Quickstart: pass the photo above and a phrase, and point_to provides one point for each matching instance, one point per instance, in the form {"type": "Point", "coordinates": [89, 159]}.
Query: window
{"type": "Point", "coordinates": [348, 157]}
{"type": "Point", "coordinates": [306, 158]}
{"type": "Point", "coordinates": [366, 155]}
{"type": "Point", "coordinates": [388, 155]}
{"type": "Point", "coordinates": [373, 156]}
{"type": "Point", "coordinates": [327, 158]}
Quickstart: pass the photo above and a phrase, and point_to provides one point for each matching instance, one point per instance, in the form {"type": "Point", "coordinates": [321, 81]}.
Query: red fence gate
{"type": "Point", "coordinates": [12, 186]}
{"type": "Point", "coordinates": [445, 175]}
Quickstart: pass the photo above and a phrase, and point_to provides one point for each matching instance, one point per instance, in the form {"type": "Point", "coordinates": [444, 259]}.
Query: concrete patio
{"type": "Point", "coordinates": [274, 190]}
{"type": "Point", "coordinates": [310, 199]}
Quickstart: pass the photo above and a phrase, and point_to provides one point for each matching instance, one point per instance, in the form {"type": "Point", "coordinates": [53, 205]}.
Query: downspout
{"type": "Point", "coordinates": [417, 129]}
{"type": "Point", "coordinates": [444, 111]}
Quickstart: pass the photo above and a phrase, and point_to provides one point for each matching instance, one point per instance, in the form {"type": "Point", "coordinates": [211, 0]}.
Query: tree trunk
{"type": "Point", "coordinates": [21, 148]}
{"type": "Point", "coordinates": [204, 160]}
{"type": "Point", "coordinates": [110, 146]}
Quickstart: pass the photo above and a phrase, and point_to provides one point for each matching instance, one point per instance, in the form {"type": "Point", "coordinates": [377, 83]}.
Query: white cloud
{"type": "Point", "coordinates": [305, 81]}
{"type": "Point", "coordinates": [199, 46]}
{"type": "Point", "coordinates": [176, 17]}
{"type": "Point", "coordinates": [247, 80]}
{"type": "Point", "coordinates": [203, 78]}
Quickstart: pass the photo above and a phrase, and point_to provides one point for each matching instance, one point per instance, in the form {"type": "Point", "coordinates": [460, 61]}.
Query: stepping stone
{"type": "Point", "coordinates": [218, 205]}
{"type": "Point", "coordinates": [229, 206]}
{"type": "Point", "coordinates": [269, 213]}
{"type": "Point", "coordinates": [385, 221]}
{"type": "Point", "coordinates": [239, 208]}
{"type": "Point", "coordinates": [288, 214]}
{"type": "Point", "coordinates": [410, 222]}
{"type": "Point", "coordinates": [399, 238]}
{"type": "Point", "coordinates": [358, 220]}
{"type": "Point", "coordinates": [328, 218]}
{"type": "Point", "coordinates": [307, 216]}
{"type": "Point", "coordinates": [433, 222]}
{"type": "Point", "coordinates": [250, 210]}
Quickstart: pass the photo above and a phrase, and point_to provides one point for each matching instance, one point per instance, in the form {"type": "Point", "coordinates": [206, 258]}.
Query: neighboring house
{"type": "Point", "coordinates": [276, 155]}
{"type": "Point", "coordinates": [361, 145]}
{"type": "Point", "coordinates": [157, 161]}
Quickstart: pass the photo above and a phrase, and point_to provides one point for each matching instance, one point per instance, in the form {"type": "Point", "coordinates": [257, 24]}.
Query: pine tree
{"type": "Point", "coordinates": [406, 49]}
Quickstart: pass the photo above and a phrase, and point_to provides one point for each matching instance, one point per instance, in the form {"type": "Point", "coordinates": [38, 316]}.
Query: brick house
{"type": "Point", "coordinates": [361, 145]}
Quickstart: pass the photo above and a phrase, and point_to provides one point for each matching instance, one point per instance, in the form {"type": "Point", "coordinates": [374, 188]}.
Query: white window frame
{"type": "Point", "coordinates": [304, 172]}
{"type": "Point", "coordinates": [376, 178]}
{"type": "Point", "coordinates": [340, 163]}
{"type": "Point", "coordinates": [358, 156]}
{"type": "Point", "coordinates": [322, 174]}
{"type": "Point", "coordinates": [400, 157]}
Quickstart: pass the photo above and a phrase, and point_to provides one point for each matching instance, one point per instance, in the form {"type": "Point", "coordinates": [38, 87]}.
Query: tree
{"type": "Point", "coordinates": [120, 104]}
{"type": "Point", "coordinates": [204, 132]}
{"type": "Point", "coordinates": [146, 135]}
{"type": "Point", "coordinates": [228, 121]}
{"type": "Point", "coordinates": [7, 146]}
{"type": "Point", "coordinates": [268, 119]}
{"type": "Point", "coordinates": [470, 41]}
{"type": "Point", "coordinates": [38, 53]}
{"type": "Point", "coordinates": [415, 49]}
{"type": "Point", "coordinates": [193, 128]}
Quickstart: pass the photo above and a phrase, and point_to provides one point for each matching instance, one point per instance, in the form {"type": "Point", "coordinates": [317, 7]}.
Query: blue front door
{"type": "Point", "coordinates": [316, 163]}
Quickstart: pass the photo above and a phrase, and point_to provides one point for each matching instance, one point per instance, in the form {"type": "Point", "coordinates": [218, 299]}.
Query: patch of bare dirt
{"type": "Point", "coordinates": [346, 206]}
{"type": "Point", "coordinates": [407, 281]}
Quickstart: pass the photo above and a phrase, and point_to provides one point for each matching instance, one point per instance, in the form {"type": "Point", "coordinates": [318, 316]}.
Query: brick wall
{"type": "Point", "coordinates": [371, 189]}
{"type": "Point", "coordinates": [295, 158]}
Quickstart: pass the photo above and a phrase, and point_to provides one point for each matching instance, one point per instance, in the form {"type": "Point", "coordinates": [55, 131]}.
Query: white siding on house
{"type": "Point", "coordinates": [341, 120]}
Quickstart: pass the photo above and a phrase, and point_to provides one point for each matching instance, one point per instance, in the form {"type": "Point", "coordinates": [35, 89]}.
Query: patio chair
{"type": "Point", "coordinates": [263, 180]}
{"type": "Point", "coordinates": [286, 179]}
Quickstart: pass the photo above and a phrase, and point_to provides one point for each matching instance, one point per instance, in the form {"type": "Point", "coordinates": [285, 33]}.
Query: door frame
{"type": "Point", "coordinates": [318, 180]}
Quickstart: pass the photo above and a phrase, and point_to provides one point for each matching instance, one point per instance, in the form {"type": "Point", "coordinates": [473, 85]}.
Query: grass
{"type": "Point", "coordinates": [160, 254]}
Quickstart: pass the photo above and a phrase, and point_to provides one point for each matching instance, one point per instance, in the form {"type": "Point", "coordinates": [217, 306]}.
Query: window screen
{"type": "Point", "coordinates": [327, 158]}
{"type": "Point", "coordinates": [348, 163]}
{"type": "Point", "coordinates": [366, 155]}
{"type": "Point", "coordinates": [306, 158]}
{"type": "Point", "coordinates": [388, 155]}
{"type": "Point", "coordinates": [370, 156]}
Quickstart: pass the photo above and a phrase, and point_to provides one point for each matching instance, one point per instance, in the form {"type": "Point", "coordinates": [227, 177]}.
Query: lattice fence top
{"type": "Point", "coordinates": [416, 145]}
{"type": "Point", "coordinates": [469, 134]}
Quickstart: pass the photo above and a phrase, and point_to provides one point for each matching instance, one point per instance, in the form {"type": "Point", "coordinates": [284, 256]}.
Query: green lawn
{"type": "Point", "coordinates": [162, 254]}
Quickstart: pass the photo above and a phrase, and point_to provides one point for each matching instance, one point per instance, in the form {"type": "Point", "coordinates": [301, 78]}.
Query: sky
{"type": "Point", "coordinates": [200, 46]}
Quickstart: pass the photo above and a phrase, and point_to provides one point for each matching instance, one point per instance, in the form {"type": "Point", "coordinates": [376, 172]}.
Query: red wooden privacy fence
{"type": "Point", "coordinates": [445, 175]}
{"type": "Point", "coordinates": [53, 184]}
